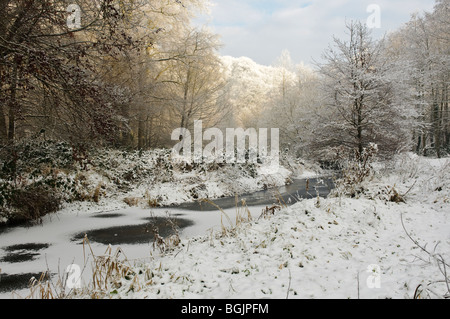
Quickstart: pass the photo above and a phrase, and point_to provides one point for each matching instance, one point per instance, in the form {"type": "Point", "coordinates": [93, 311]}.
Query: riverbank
{"type": "Point", "coordinates": [49, 176]}
{"type": "Point", "coordinates": [27, 251]}
{"type": "Point", "coordinates": [368, 246]}
{"type": "Point", "coordinates": [316, 248]}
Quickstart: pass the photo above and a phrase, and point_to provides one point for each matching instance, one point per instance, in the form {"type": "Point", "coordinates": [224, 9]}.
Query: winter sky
{"type": "Point", "coordinates": [261, 29]}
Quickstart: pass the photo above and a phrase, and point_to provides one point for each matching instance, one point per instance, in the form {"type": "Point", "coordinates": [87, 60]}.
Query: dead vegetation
{"type": "Point", "coordinates": [34, 202]}
{"type": "Point", "coordinates": [169, 243]}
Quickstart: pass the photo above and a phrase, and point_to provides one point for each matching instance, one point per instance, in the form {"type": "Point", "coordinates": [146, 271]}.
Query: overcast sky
{"type": "Point", "coordinates": [261, 29]}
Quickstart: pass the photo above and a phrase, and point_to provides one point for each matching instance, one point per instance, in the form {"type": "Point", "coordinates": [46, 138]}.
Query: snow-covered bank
{"type": "Point", "coordinates": [156, 179]}
{"type": "Point", "coordinates": [328, 248]}
{"type": "Point", "coordinates": [116, 179]}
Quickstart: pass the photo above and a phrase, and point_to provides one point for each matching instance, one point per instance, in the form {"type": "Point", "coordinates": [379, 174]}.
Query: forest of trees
{"type": "Point", "coordinates": [95, 94]}
{"type": "Point", "coordinates": [136, 70]}
{"type": "Point", "coordinates": [392, 92]}
{"type": "Point", "coordinates": [132, 72]}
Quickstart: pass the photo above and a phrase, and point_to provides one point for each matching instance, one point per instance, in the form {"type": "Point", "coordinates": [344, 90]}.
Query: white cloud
{"type": "Point", "coordinates": [262, 29]}
{"type": "Point", "coordinates": [233, 12]}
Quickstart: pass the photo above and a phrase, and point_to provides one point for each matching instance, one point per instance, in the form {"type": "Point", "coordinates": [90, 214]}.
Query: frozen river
{"type": "Point", "coordinates": [57, 243]}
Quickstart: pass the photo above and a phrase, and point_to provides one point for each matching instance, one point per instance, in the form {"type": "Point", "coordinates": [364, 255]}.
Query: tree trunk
{"type": "Point", "coordinates": [141, 112]}
{"type": "Point", "coordinates": [436, 124]}
{"type": "Point", "coordinates": [12, 107]}
{"type": "Point", "coordinates": [359, 104]}
{"type": "Point", "coordinates": [445, 120]}
{"type": "Point", "coordinates": [424, 144]}
{"type": "Point", "coordinates": [3, 130]}
{"type": "Point", "coordinates": [141, 127]}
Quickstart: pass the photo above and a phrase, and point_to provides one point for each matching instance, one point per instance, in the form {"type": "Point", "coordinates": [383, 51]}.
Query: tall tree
{"type": "Point", "coordinates": [289, 109]}
{"type": "Point", "coordinates": [422, 45]}
{"type": "Point", "coordinates": [149, 74]}
{"type": "Point", "coordinates": [360, 102]}
{"type": "Point", "coordinates": [196, 81]}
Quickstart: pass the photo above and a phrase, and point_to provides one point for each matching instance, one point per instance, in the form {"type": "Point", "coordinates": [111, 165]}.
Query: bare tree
{"type": "Point", "coordinates": [48, 69]}
{"type": "Point", "coordinates": [196, 81]}
{"type": "Point", "coordinates": [422, 46]}
{"type": "Point", "coordinates": [360, 106]}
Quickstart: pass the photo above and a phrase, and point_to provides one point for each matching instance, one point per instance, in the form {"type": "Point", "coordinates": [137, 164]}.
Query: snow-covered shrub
{"type": "Point", "coordinates": [32, 157]}
{"type": "Point", "coordinates": [29, 201]}
{"type": "Point", "coordinates": [33, 202]}
{"type": "Point", "coordinates": [33, 182]}
{"type": "Point", "coordinates": [125, 168]}
{"type": "Point", "coordinates": [355, 171]}
{"type": "Point", "coordinates": [405, 166]}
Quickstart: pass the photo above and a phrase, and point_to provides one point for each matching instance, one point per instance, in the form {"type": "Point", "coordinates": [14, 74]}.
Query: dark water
{"type": "Point", "coordinates": [13, 282]}
{"type": "Point", "coordinates": [23, 252]}
{"type": "Point", "coordinates": [289, 195]}
{"type": "Point", "coordinates": [108, 215]}
{"type": "Point", "coordinates": [135, 234]}
{"type": "Point", "coordinates": [18, 254]}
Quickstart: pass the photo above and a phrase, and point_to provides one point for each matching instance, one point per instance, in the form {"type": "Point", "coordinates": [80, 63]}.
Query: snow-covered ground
{"type": "Point", "coordinates": [328, 248]}
{"type": "Point", "coordinates": [331, 248]}
{"type": "Point", "coordinates": [142, 183]}
{"type": "Point", "coordinates": [156, 177]}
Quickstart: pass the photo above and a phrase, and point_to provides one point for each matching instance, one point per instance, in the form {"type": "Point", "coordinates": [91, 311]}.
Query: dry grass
{"type": "Point", "coordinates": [43, 289]}
{"type": "Point", "coordinates": [152, 202]}
{"type": "Point", "coordinates": [131, 201]}
{"type": "Point", "coordinates": [223, 214]}
{"type": "Point", "coordinates": [277, 194]}
{"type": "Point", "coordinates": [242, 213]}
{"type": "Point", "coordinates": [108, 270]}
{"type": "Point", "coordinates": [269, 211]}
{"type": "Point", "coordinates": [166, 244]}
{"type": "Point", "coordinates": [97, 193]}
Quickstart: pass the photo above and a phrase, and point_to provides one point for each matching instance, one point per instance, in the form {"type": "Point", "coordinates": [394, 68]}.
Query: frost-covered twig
{"type": "Point", "coordinates": [437, 257]}
{"type": "Point", "coordinates": [404, 195]}
{"type": "Point", "coordinates": [289, 286]}
{"type": "Point", "coordinates": [423, 248]}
